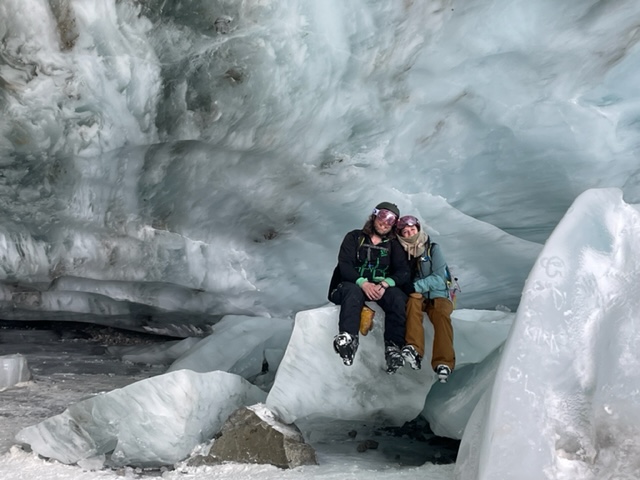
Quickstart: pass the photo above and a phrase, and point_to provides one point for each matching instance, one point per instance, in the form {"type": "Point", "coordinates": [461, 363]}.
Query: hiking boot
{"type": "Point", "coordinates": [345, 345]}
{"type": "Point", "coordinates": [443, 373]}
{"type": "Point", "coordinates": [366, 320]}
{"type": "Point", "coordinates": [412, 356]}
{"type": "Point", "coordinates": [394, 358]}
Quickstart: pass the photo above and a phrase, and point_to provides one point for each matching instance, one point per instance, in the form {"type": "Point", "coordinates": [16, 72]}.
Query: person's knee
{"type": "Point", "coordinates": [443, 306]}
{"type": "Point", "coordinates": [395, 296]}
{"type": "Point", "coordinates": [414, 302]}
{"type": "Point", "coordinates": [395, 315]}
{"type": "Point", "coordinates": [349, 292]}
{"type": "Point", "coordinates": [350, 287]}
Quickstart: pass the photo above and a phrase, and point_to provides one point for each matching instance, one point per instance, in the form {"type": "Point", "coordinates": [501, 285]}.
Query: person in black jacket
{"type": "Point", "coordinates": [372, 266]}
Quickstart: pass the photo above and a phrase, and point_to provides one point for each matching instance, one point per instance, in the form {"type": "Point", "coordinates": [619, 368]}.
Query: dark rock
{"type": "Point", "coordinates": [438, 450]}
{"type": "Point", "coordinates": [371, 444]}
{"type": "Point", "coordinates": [367, 445]}
{"type": "Point", "coordinates": [417, 429]}
{"type": "Point", "coordinates": [254, 435]}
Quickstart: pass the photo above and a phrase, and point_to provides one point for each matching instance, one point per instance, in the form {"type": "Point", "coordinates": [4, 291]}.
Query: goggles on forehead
{"type": "Point", "coordinates": [407, 221]}
{"type": "Point", "coordinates": [385, 216]}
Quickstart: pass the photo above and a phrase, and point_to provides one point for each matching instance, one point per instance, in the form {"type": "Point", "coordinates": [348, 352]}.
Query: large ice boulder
{"type": "Point", "coordinates": [565, 402]}
{"type": "Point", "coordinates": [251, 347]}
{"type": "Point", "coordinates": [312, 383]}
{"type": "Point", "coordinates": [153, 422]}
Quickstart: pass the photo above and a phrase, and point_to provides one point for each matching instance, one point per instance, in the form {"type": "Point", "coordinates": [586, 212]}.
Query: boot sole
{"type": "Point", "coordinates": [346, 357]}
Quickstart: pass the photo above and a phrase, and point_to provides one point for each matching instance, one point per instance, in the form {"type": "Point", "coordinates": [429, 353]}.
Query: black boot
{"type": "Point", "coordinates": [346, 346]}
{"type": "Point", "coordinates": [394, 358]}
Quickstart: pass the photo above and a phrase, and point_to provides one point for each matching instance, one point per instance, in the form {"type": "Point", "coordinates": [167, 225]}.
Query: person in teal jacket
{"type": "Point", "coordinates": [428, 292]}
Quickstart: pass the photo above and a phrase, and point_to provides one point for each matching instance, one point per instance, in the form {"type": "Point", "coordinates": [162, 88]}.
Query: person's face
{"type": "Point", "coordinates": [384, 221]}
{"type": "Point", "coordinates": [381, 227]}
{"type": "Point", "coordinates": [409, 231]}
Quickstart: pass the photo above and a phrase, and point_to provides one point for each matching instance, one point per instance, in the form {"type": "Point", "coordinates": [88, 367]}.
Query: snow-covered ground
{"type": "Point", "coordinates": [75, 366]}
{"type": "Point", "coordinates": [67, 366]}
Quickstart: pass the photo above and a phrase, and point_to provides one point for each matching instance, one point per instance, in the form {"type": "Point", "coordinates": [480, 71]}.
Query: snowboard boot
{"type": "Point", "coordinates": [345, 345]}
{"type": "Point", "coordinates": [443, 373]}
{"type": "Point", "coordinates": [412, 356]}
{"type": "Point", "coordinates": [394, 358]}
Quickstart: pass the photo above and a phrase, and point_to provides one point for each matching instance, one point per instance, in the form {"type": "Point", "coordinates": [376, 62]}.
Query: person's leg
{"type": "Point", "coordinates": [351, 298]}
{"type": "Point", "coordinates": [414, 326]}
{"type": "Point", "coordinates": [413, 351]}
{"type": "Point", "coordinates": [439, 312]}
{"type": "Point", "coordinates": [393, 302]}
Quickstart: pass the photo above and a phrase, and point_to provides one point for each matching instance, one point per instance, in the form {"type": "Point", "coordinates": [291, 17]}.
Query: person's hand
{"type": "Point", "coordinates": [373, 291]}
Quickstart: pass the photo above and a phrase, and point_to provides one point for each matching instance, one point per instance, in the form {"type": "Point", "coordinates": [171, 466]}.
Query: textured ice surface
{"type": "Point", "coordinates": [153, 422]}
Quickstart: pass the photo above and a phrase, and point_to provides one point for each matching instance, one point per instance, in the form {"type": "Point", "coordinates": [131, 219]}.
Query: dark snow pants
{"type": "Point", "coordinates": [351, 299]}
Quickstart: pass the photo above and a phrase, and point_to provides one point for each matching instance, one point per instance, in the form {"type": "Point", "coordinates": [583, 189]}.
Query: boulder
{"type": "Point", "coordinates": [255, 435]}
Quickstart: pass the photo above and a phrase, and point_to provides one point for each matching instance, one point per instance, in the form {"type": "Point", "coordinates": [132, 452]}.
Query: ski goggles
{"type": "Point", "coordinates": [385, 216]}
{"type": "Point", "coordinates": [408, 221]}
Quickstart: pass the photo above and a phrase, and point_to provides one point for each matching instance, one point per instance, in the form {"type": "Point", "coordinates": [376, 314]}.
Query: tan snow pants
{"type": "Point", "coordinates": [439, 312]}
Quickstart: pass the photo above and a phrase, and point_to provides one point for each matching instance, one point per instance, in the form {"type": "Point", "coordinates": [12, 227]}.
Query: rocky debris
{"type": "Point", "coordinates": [367, 445]}
{"type": "Point", "coordinates": [255, 435]}
{"type": "Point", "coordinates": [445, 449]}
{"type": "Point", "coordinates": [438, 450]}
{"type": "Point", "coordinates": [417, 429]}
{"type": "Point", "coordinates": [45, 331]}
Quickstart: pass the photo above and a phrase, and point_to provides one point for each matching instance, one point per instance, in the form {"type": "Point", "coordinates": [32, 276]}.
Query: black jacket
{"type": "Point", "coordinates": [359, 258]}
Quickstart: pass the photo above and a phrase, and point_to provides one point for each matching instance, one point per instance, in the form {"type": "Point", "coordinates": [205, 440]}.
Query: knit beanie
{"type": "Point", "coordinates": [392, 207]}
